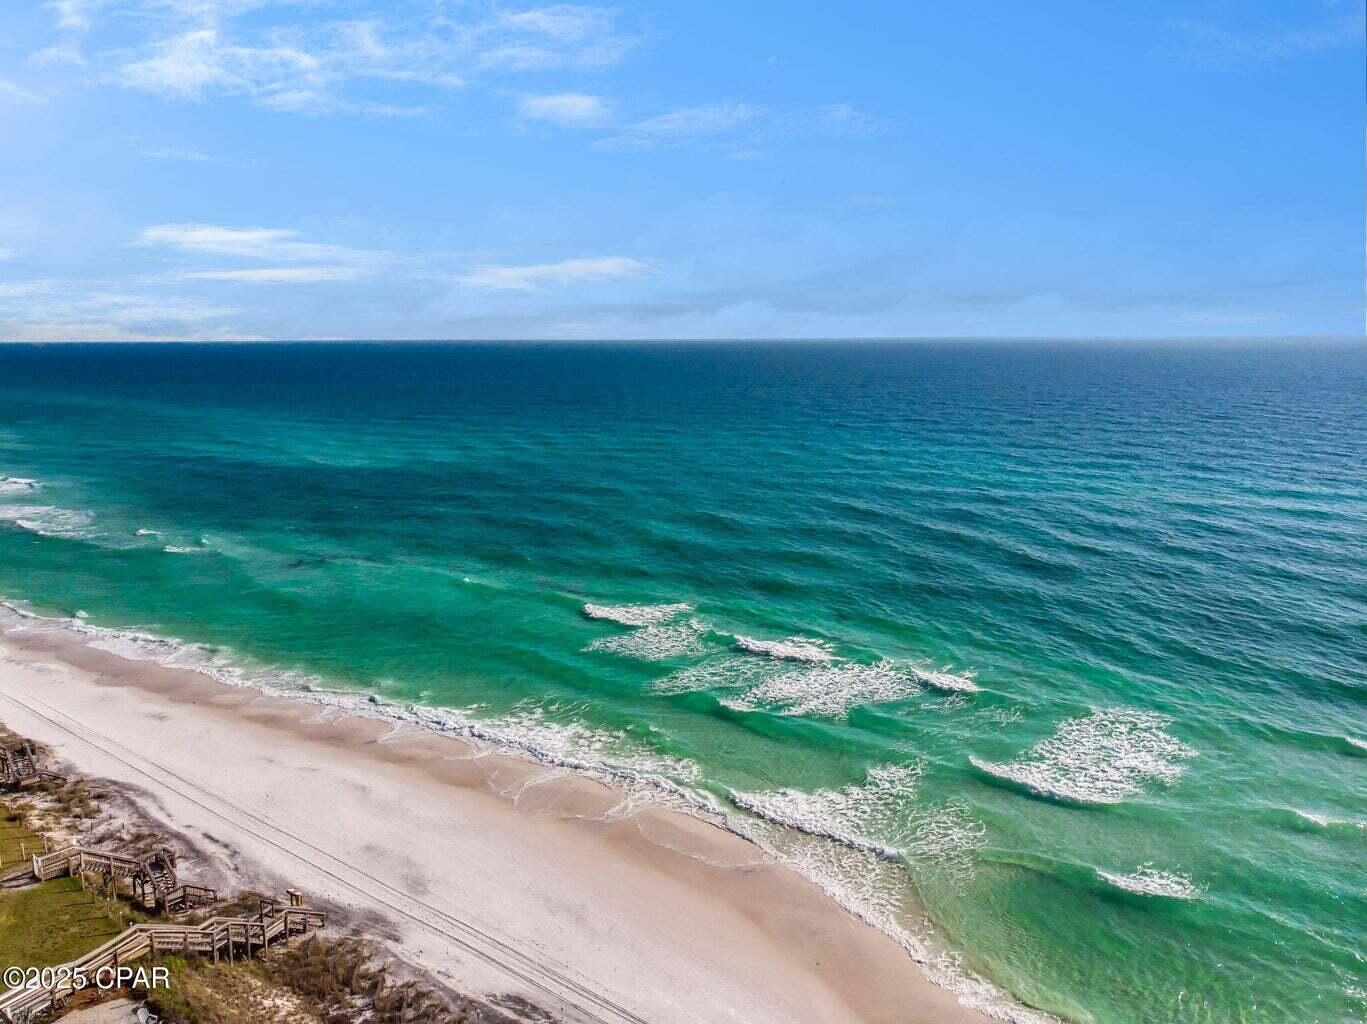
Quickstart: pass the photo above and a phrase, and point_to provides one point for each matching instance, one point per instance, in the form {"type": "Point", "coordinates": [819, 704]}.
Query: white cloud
{"type": "Point", "coordinates": [1332, 31]}
{"type": "Point", "coordinates": [275, 275]}
{"type": "Point", "coordinates": [174, 153]}
{"type": "Point", "coordinates": [737, 128]}
{"type": "Point", "coordinates": [320, 261]}
{"type": "Point", "coordinates": [268, 244]}
{"type": "Point", "coordinates": [201, 48]}
{"type": "Point", "coordinates": [689, 122]}
{"type": "Point", "coordinates": [8, 90]}
{"type": "Point", "coordinates": [583, 270]}
{"type": "Point", "coordinates": [187, 65]}
{"type": "Point", "coordinates": [75, 15]}
{"type": "Point", "coordinates": [562, 108]}
{"type": "Point", "coordinates": [1232, 317]}
{"type": "Point", "coordinates": [48, 309]}
{"type": "Point", "coordinates": [55, 56]}
{"type": "Point", "coordinates": [558, 36]}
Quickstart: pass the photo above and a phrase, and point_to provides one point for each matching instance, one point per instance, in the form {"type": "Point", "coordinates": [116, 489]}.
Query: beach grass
{"type": "Point", "coordinates": [51, 923]}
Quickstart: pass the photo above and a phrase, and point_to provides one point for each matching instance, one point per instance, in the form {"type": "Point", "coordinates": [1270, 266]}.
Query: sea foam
{"type": "Point", "coordinates": [828, 690]}
{"type": "Point", "coordinates": [48, 520]}
{"type": "Point", "coordinates": [794, 648]}
{"type": "Point", "coordinates": [1148, 880]}
{"type": "Point", "coordinates": [944, 679]}
{"type": "Point", "coordinates": [1100, 759]}
{"type": "Point", "coordinates": [18, 485]}
{"type": "Point", "coordinates": [878, 816]}
{"type": "Point", "coordinates": [636, 614]}
{"type": "Point", "coordinates": [655, 643]}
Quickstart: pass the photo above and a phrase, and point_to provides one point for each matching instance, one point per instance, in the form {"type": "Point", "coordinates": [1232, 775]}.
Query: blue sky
{"type": "Point", "coordinates": [459, 169]}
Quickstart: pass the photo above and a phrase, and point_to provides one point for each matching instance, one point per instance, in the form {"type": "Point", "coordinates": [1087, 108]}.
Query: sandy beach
{"type": "Point", "coordinates": [491, 873]}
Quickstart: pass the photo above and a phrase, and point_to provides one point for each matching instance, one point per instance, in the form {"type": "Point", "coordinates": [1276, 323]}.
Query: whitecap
{"type": "Point", "coordinates": [944, 679]}
{"type": "Point", "coordinates": [829, 690]}
{"type": "Point", "coordinates": [185, 549]}
{"type": "Point", "coordinates": [1148, 880]}
{"type": "Point", "coordinates": [794, 648]}
{"type": "Point", "coordinates": [654, 643]}
{"type": "Point", "coordinates": [718, 673]}
{"type": "Point", "coordinates": [48, 520]}
{"type": "Point", "coordinates": [18, 485]}
{"type": "Point", "coordinates": [146, 533]}
{"type": "Point", "coordinates": [1327, 821]}
{"type": "Point", "coordinates": [1101, 759]}
{"type": "Point", "coordinates": [636, 614]}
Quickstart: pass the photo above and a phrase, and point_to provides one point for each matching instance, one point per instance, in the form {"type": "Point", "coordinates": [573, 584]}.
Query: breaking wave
{"type": "Point", "coordinates": [828, 691]}
{"type": "Point", "coordinates": [48, 520]}
{"type": "Point", "coordinates": [847, 815]}
{"type": "Point", "coordinates": [1101, 759]}
{"type": "Point", "coordinates": [1328, 821]}
{"type": "Point", "coordinates": [944, 679]}
{"type": "Point", "coordinates": [794, 648]}
{"type": "Point", "coordinates": [717, 673]}
{"type": "Point", "coordinates": [655, 643]}
{"type": "Point", "coordinates": [1148, 880]}
{"type": "Point", "coordinates": [878, 816]}
{"type": "Point", "coordinates": [636, 614]}
{"type": "Point", "coordinates": [18, 485]}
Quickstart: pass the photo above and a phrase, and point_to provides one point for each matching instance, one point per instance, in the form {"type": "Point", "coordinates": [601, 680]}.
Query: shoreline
{"type": "Point", "coordinates": [494, 873]}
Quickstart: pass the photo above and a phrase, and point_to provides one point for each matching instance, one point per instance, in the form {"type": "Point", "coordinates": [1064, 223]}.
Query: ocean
{"type": "Point", "coordinates": [1049, 659]}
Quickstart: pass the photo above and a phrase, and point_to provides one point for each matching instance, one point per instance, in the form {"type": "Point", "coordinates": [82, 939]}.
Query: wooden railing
{"type": "Point", "coordinates": [72, 860]}
{"type": "Point", "coordinates": [217, 937]}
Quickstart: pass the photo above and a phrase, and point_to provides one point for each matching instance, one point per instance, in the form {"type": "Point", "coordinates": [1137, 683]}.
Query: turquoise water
{"type": "Point", "coordinates": [1075, 700]}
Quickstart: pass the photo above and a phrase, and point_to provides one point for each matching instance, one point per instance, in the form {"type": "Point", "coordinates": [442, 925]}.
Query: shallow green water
{"type": "Point", "coordinates": [1138, 791]}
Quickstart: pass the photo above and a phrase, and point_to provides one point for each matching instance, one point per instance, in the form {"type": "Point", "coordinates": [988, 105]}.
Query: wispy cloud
{"type": "Point", "coordinates": [174, 153]}
{"type": "Point", "coordinates": [686, 123]}
{"type": "Point", "coordinates": [1232, 317]}
{"type": "Point", "coordinates": [18, 94]}
{"type": "Point", "coordinates": [56, 56]}
{"type": "Point", "coordinates": [196, 49]}
{"type": "Point", "coordinates": [274, 244]}
{"type": "Point", "coordinates": [574, 271]}
{"type": "Point", "coordinates": [557, 36]}
{"type": "Point", "coordinates": [305, 262]}
{"type": "Point", "coordinates": [48, 309]}
{"type": "Point", "coordinates": [1335, 29]}
{"type": "Point", "coordinates": [567, 108]}
{"type": "Point", "coordinates": [275, 275]}
{"type": "Point", "coordinates": [739, 127]}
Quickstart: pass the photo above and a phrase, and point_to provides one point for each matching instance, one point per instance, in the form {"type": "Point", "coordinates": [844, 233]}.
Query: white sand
{"type": "Point", "coordinates": [493, 874]}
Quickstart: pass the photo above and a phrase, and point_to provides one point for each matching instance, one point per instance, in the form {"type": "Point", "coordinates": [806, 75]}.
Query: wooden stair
{"type": "Point", "coordinates": [218, 937]}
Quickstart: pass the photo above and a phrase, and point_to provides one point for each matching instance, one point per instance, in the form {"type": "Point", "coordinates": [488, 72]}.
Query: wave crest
{"type": "Point", "coordinates": [1101, 759]}
{"type": "Point", "coordinates": [794, 648]}
{"type": "Point", "coordinates": [636, 614]}
{"type": "Point", "coordinates": [655, 643]}
{"type": "Point", "coordinates": [1147, 880]}
{"type": "Point", "coordinates": [829, 691]}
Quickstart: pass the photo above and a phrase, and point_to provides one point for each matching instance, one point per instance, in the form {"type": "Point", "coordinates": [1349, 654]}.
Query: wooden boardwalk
{"type": "Point", "coordinates": [19, 767]}
{"type": "Point", "coordinates": [152, 879]}
{"type": "Point", "coordinates": [218, 937]}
